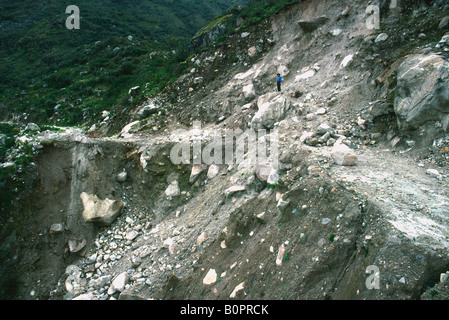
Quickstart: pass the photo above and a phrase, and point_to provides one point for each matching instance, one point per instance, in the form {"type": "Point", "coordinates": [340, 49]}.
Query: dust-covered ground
{"type": "Point", "coordinates": [376, 229]}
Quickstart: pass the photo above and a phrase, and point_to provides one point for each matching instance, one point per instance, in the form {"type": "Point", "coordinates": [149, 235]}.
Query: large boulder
{"type": "Point", "coordinates": [101, 212]}
{"type": "Point", "coordinates": [343, 155]}
{"type": "Point", "coordinates": [422, 93]}
{"type": "Point", "coordinates": [272, 108]}
{"type": "Point", "coordinates": [312, 24]}
{"type": "Point", "coordinates": [249, 93]}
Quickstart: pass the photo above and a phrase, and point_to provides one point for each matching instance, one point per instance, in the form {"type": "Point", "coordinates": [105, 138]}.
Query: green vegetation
{"type": "Point", "coordinates": [211, 25]}
{"type": "Point", "coordinates": [257, 10]}
{"type": "Point", "coordinates": [52, 75]}
{"type": "Point", "coordinates": [68, 77]}
{"type": "Point", "coordinates": [15, 155]}
{"type": "Point", "coordinates": [251, 13]}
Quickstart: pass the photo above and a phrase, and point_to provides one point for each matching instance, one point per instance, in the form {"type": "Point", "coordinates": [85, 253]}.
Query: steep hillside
{"type": "Point", "coordinates": [53, 75]}
{"type": "Point", "coordinates": [349, 202]}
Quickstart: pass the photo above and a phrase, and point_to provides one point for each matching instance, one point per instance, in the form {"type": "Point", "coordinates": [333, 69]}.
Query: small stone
{"type": "Point", "coordinates": [324, 138]}
{"type": "Point", "coordinates": [122, 176]}
{"type": "Point", "coordinates": [237, 289]}
{"type": "Point", "coordinates": [56, 228]}
{"type": "Point", "coordinates": [210, 278]}
{"type": "Point", "coordinates": [119, 283]}
{"type": "Point", "coordinates": [381, 37]}
{"type": "Point", "coordinates": [434, 173]}
{"type": "Point", "coordinates": [343, 155]}
{"type": "Point", "coordinates": [263, 171]}
{"type": "Point", "coordinates": [234, 189]}
{"type": "Point", "coordinates": [76, 245]}
{"type": "Point", "coordinates": [223, 244]}
{"type": "Point", "coordinates": [323, 129]}
{"type": "Point", "coordinates": [129, 220]}
{"type": "Point", "coordinates": [280, 255]}
{"type": "Point", "coordinates": [311, 141]}
{"type": "Point", "coordinates": [131, 235]}
{"type": "Point", "coordinates": [281, 205]}
{"type": "Point", "coordinates": [170, 244]}
{"type": "Point", "coordinates": [261, 217]}
{"type": "Point", "coordinates": [197, 169]}
{"type": "Point", "coordinates": [347, 61]}
{"type": "Point", "coordinates": [32, 126]}
{"type": "Point", "coordinates": [443, 23]}
{"type": "Point", "coordinates": [252, 51]}
{"type": "Point", "coordinates": [202, 238]}
{"type": "Point", "coordinates": [321, 111]}
{"type": "Point", "coordinates": [213, 171]}
{"type": "Point", "coordinates": [173, 189]}
{"type": "Point", "coordinates": [100, 282]}
{"type": "Point", "coordinates": [310, 116]}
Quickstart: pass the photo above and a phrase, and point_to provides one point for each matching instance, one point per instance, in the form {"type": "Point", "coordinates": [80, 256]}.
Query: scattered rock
{"type": "Point", "coordinates": [313, 24]}
{"type": "Point", "coordinates": [249, 92]}
{"type": "Point", "coordinates": [343, 155]}
{"type": "Point", "coordinates": [131, 235]}
{"type": "Point", "coordinates": [238, 288]}
{"type": "Point", "coordinates": [321, 111]}
{"type": "Point", "coordinates": [210, 278]}
{"type": "Point", "coordinates": [434, 173]}
{"type": "Point", "coordinates": [122, 176]}
{"type": "Point", "coordinates": [444, 23]}
{"type": "Point", "coordinates": [148, 110]}
{"type": "Point", "coordinates": [213, 171]}
{"type": "Point", "coordinates": [272, 109]}
{"type": "Point", "coordinates": [57, 228]}
{"type": "Point", "coordinates": [100, 212]}
{"type": "Point", "coordinates": [304, 76]}
{"type": "Point", "coordinates": [252, 51]}
{"type": "Point", "coordinates": [33, 127]}
{"type": "Point", "coordinates": [119, 283]}
{"type": "Point", "coordinates": [381, 37]}
{"type": "Point", "coordinates": [133, 90]}
{"type": "Point", "coordinates": [280, 256]}
{"type": "Point", "coordinates": [262, 171]}
{"type": "Point", "coordinates": [76, 245]}
{"type": "Point", "coordinates": [197, 169]}
{"type": "Point", "coordinates": [282, 204]}
{"type": "Point", "coordinates": [86, 297]}
{"type": "Point", "coordinates": [444, 277]}
{"type": "Point", "coordinates": [347, 61]}
{"type": "Point", "coordinates": [336, 32]}
{"type": "Point", "coordinates": [234, 189]}
{"type": "Point", "coordinates": [173, 189]}
{"type": "Point", "coordinates": [202, 238]}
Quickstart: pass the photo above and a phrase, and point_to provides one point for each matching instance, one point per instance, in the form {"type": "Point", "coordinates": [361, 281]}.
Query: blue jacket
{"type": "Point", "coordinates": [279, 79]}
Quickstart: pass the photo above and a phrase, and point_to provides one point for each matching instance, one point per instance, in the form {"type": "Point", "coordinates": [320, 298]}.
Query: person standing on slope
{"type": "Point", "coordinates": [279, 81]}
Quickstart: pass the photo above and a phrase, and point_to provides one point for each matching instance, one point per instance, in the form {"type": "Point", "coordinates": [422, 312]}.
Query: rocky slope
{"type": "Point", "coordinates": [360, 130]}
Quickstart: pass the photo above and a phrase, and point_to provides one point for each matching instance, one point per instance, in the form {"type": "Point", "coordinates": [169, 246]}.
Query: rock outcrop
{"type": "Point", "coordinates": [422, 93]}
